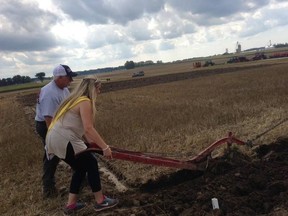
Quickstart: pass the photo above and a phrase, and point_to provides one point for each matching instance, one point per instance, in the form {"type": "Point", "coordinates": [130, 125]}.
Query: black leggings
{"type": "Point", "coordinates": [82, 164]}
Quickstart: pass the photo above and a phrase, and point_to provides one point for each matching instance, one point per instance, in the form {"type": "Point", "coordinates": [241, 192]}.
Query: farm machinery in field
{"type": "Point", "coordinates": [152, 159]}
{"type": "Point", "coordinates": [259, 56]}
{"type": "Point", "coordinates": [237, 59]}
{"type": "Point", "coordinates": [207, 63]}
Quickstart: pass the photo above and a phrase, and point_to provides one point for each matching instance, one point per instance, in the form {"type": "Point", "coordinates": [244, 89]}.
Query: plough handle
{"type": "Point", "coordinates": [145, 158]}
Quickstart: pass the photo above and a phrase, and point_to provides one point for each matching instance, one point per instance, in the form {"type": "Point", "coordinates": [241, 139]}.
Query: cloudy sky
{"type": "Point", "coordinates": [36, 35]}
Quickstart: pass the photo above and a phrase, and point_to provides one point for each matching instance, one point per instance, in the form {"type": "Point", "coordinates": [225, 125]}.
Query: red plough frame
{"type": "Point", "coordinates": [191, 164]}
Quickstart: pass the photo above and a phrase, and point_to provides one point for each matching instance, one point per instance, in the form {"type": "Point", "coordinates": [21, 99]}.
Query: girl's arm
{"type": "Point", "coordinates": [91, 133]}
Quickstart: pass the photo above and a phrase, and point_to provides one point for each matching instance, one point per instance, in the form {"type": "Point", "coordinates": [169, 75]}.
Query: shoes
{"type": "Point", "coordinates": [50, 193]}
{"type": "Point", "coordinates": [72, 209]}
{"type": "Point", "coordinates": [106, 203]}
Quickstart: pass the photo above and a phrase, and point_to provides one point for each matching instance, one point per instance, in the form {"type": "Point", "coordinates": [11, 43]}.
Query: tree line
{"type": "Point", "coordinates": [132, 64]}
{"type": "Point", "coordinates": [281, 45]}
{"type": "Point", "coordinates": [18, 79]}
{"type": "Point", "coordinates": [15, 80]}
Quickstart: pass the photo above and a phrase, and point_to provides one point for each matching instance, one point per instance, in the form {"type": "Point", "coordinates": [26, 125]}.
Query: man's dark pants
{"type": "Point", "coordinates": [49, 166]}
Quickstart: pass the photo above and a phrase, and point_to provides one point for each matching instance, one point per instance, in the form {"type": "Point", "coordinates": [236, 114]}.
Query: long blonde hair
{"type": "Point", "coordinates": [87, 87]}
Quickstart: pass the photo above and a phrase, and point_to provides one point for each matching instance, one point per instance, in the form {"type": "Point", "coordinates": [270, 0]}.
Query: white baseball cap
{"type": "Point", "coordinates": [63, 70]}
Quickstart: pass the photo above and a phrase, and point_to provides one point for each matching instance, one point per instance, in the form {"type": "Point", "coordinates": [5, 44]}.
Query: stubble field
{"type": "Point", "coordinates": [175, 115]}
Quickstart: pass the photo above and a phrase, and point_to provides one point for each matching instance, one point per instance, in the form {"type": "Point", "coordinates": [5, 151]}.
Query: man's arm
{"type": "Point", "coordinates": [48, 120]}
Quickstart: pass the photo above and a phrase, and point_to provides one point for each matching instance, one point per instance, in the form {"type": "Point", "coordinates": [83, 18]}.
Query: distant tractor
{"type": "Point", "coordinates": [259, 56]}
{"type": "Point", "coordinates": [237, 59]}
{"type": "Point", "coordinates": [138, 74]}
{"type": "Point", "coordinates": [208, 63]}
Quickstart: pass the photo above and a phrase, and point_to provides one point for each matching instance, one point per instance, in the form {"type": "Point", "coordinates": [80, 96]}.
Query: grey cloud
{"type": "Point", "coordinates": [104, 35]}
{"type": "Point", "coordinates": [207, 11]}
{"type": "Point", "coordinates": [206, 20]}
{"type": "Point", "coordinates": [165, 45]}
{"type": "Point", "coordinates": [139, 30]}
{"type": "Point", "coordinates": [52, 57]}
{"type": "Point", "coordinates": [141, 34]}
{"type": "Point", "coordinates": [174, 31]}
{"type": "Point", "coordinates": [124, 11]}
{"type": "Point", "coordinates": [103, 11]}
{"type": "Point", "coordinates": [172, 25]}
{"type": "Point", "coordinates": [279, 15]}
{"type": "Point", "coordinates": [219, 8]}
{"type": "Point", "coordinates": [5, 63]}
{"type": "Point", "coordinates": [26, 27]}
{"type": "Point", "coordinates": [149, 48]}
{"type": "Point", "coordinates": [26, 42]}
{"type": "Point", "coordinates": [122, 51]}
{"type": "Point", "coordinates": [270, 18]}
{"type": "Point", "coordinates": [116, 51]}
{"type": "Point", "coordinates": [26, 17]}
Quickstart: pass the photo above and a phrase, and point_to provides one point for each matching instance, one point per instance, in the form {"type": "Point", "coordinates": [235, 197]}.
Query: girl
{"type": "Point", "coordinates": [72, 125]}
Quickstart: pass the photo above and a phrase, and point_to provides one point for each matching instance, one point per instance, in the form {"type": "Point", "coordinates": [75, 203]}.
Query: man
{"type": "Point", "coordinates": [50, 97]}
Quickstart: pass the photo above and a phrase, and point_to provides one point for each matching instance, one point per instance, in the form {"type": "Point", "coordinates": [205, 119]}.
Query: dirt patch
{"type": "Point", "coordinates": [242, 185]}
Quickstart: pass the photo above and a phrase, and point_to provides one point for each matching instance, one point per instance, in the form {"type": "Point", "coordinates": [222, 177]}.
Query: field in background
{"type": "Point", "coordinates": [25, 86]}
{"type": "Point", "coordinates": [184, 117]}
{"type": "Point", "coordinates": [156, 70]}
{"type": "Point", "coordinates": [178, 119]}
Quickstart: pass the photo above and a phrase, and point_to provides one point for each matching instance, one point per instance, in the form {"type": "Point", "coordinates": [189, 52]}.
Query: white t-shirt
{"type": "Point", "coordinates": [49, 99]}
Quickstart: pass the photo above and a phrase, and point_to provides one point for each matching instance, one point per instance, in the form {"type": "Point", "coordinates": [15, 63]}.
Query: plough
{"type": "Point", "coordinates": [191, 164]}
